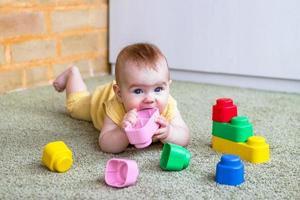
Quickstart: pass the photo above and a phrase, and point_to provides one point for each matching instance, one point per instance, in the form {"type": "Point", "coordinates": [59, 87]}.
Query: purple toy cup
{"type": "Point", "coordinates": [121, 172]}
{"type": "Point", "coordinates": [140, 135]}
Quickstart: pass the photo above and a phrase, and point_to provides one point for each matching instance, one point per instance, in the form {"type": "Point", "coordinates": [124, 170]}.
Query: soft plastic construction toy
{"type": "Point", "coordinates": [255, 150]}
{"type": "Point", "coordinates": [238, 130]}
{"type": "Point", "coordinates": [141, 134]}
{"type": "Point", "coordinates": [121, 172]}
{"type": "Point", "coordinates": [230, 170]}
{"type": "Point", "coordinates": [174, 157]}
{"type": "Point", "coordinates": [57, 156]}
{"type": "Point", "coordinates": [224, 110]}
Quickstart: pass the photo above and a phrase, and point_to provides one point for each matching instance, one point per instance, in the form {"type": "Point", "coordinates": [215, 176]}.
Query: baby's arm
{"type": "Point", "coordinates": [112, 138]}
{"type": "Point", "coordinates": [175, 131]}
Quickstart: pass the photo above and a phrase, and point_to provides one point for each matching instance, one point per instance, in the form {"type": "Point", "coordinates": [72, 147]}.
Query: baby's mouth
{"type": "Point", "coordinates": [146, 108]}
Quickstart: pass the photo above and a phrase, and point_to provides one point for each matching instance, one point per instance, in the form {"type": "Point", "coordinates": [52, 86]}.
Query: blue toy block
{"type": "Point", "coordinates": [230, 170]}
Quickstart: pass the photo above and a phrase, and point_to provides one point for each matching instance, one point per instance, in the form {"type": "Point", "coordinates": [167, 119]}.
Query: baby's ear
{"type": "Point", "coordinates": [170, 81]}
{"type": "Point", "coordinates": [117, 92]}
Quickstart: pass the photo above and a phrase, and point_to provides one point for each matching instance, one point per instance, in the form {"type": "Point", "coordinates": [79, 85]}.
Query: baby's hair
{"type": "Point", "coordinates": [142, 54]}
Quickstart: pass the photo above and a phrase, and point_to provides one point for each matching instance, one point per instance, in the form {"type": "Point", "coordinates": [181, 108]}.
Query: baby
{"type": "Point", "coordinates": [142, 82]}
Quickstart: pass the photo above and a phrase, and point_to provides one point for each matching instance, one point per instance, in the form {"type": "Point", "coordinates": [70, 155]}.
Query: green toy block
{"type": "Point", "coordinates": [174, 157]}
{"type": "Point", "coordinates": [238, 130]}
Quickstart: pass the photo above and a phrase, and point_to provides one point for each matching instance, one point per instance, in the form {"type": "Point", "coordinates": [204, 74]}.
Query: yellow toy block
{"type": "Point", "coordinates": [254, 150]}
{"type": "Point", "coordinates": [57, 156]}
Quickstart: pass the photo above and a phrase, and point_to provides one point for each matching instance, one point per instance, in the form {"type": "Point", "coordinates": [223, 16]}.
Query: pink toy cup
{"type": "Point", "coordinates": [121, 172]}
{"type": "Point", "coordinates": [140, 135]}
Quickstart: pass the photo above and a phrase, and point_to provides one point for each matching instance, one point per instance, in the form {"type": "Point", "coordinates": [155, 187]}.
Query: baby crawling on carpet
{"type": "Point", "coordinates": [142, 81]}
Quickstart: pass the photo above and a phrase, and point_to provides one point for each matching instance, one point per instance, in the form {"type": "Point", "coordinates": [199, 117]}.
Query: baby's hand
{"type": "Point", "coordinates": [164, 129]}
{"type": "Point", "coordinates": [130, 118]}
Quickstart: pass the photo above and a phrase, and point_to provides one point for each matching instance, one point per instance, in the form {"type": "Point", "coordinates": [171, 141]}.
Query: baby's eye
{"type": "Point", "coordinates": [138, 91]}
{"type": "Point", "coordinates": [158, 89]}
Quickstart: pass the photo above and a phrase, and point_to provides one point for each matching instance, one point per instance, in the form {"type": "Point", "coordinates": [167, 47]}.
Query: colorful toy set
{"type": "Point", "coordinates": [119, 173]}
{"type": "Point", "coordinates": [233, 134]}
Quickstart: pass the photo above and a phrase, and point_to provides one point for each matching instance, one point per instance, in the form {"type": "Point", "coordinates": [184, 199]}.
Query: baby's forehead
{"type": "Point", "coordinates": [144, 75]}
{"type": "Point", "coordinates": [158, 65]}
{"type": "Point", "coordinates": [133, 69]}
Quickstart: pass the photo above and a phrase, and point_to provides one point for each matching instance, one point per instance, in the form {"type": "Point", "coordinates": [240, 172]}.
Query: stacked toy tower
{"type": "Point", "coordinates": [233, 134]}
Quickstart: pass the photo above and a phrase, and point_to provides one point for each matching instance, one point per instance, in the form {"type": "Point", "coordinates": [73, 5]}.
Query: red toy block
{"type": "Point", "coordinates": [224, 110]}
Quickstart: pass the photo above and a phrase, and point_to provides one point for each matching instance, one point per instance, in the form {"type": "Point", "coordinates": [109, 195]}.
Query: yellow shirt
{"type": "Point", "coordinates": [104, 102]}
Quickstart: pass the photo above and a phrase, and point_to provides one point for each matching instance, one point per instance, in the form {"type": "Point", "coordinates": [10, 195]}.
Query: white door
{"type": "Point", "coordinates": [251, 38]}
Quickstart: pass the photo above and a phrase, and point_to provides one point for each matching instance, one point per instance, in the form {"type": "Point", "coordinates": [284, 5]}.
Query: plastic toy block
{"type": "Point", "coordinates": [57, 156]}
{"type": "Point", "coordinates": [230, 170]}
{"type": "Point", "coordinates": [121, 172]}
{"type": "Point", "coordinates": [255, 150]}
{"type": "Point", "coordinates": [174, 157]}
{"type": "Point", "coordinates": [141, 133]}
{"type": "Point", "coordinates": [238, 130]}
{"type": "Point", "coordinates": [224, 110]}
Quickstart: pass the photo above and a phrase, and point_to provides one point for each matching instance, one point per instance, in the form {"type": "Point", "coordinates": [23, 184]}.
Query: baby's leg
{"type": "Point", "coordinates": [70, 80]}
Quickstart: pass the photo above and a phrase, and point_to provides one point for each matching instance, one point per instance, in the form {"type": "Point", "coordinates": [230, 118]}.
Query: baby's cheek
{"type": "Point", "coordinates": [130, 104]}
{"type": "Point", "coordinates": [163, 104]}
{"type": "Point", "coordinates": [161, 108]}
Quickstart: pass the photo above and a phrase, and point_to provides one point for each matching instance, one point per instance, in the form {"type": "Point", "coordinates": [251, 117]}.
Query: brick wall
{"type": "Point", "coordinates": [40, 38]}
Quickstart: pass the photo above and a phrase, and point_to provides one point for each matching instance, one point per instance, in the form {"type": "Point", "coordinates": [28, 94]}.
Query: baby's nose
{"type": "Point", "coordinates": [149, 99]}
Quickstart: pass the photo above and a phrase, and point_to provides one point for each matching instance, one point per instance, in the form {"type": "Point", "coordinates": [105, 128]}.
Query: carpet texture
{"type": "Point", "coordinates": [32, 118]}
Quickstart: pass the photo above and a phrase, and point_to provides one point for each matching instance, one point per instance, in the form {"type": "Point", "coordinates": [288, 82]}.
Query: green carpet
{"type": "Point", "coordinates": [32, 118]}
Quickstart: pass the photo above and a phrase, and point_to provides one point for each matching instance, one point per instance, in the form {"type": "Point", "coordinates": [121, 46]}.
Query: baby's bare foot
{"type": "Point", "coordinates": [60, 82]}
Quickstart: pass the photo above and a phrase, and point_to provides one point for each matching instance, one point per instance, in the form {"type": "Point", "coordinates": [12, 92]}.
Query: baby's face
{"type": "Point", "coordinates": [145, 88]}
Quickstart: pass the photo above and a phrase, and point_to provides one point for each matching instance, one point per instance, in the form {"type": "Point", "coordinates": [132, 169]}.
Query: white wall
{"type": "Point", "coordinates": [217, 39]}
